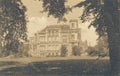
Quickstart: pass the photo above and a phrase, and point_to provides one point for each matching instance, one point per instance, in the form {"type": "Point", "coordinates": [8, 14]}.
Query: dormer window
{"type": "Point", "coordinates": [73, 24]}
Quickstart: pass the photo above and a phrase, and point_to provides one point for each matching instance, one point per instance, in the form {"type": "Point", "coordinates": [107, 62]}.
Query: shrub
{"type": "Point", "coordinates": [63, 50]}
{"type": "Point", "coordinates": [76, 51]}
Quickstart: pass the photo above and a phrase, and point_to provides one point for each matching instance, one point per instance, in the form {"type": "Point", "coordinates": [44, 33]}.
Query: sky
{"type": "Point", "coordinates": [38, 21]}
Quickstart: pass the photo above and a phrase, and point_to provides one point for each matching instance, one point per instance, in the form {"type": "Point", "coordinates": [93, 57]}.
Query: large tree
{"type": "Point", "coordinates": [12, 24]}
{"type": "Point", "coordinates": [106, 16]}
{"type": "Point", "coordinates": [106, 19]}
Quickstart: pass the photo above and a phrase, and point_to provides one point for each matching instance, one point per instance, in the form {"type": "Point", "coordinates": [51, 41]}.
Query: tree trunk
{"type": "Point", "coordinates": [114, 52]}
{"type": "Point", "coordinates": [113, 30]}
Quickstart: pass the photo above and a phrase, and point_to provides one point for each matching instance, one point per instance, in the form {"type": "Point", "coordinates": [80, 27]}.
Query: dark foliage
{"type": "Point", "coordinates": [92, 51]}
{"type": "Point", "coordinates": [106, 18]}
{"type": "Point", "coordinates": [76, 51]}
{"type": "Point", "coordinates": [63, 50]}
{"type": "Point", "coordinates": [12, 24]}
{"type": "Point", "coordinates": [95, 10]}
{"type": "Point", "coordinates": [56, 8]}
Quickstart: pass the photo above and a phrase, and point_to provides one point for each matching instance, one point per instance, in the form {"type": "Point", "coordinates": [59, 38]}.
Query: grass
{"type": "Point", "coordinates": [5, 63]}
{"type": "Point", "coordinates": [60, 67]}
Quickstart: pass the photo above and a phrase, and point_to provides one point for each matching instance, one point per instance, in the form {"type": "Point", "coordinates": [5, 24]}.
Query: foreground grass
{"type": "Point", "coordinates": [60, 67]}
{"type": "Point", "coordinates": [27, 60]}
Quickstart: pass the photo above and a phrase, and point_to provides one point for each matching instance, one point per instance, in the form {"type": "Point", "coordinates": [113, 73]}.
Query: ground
{"type": "Point", "coordinates": [55, 66]}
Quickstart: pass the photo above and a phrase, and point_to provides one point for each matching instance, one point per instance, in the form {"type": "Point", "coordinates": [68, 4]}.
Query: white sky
{"type": "Point", "coordinates": [38, 20]}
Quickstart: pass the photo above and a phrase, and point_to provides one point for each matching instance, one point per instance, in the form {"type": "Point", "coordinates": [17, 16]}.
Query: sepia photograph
{"type": "Point", "coordinates": [59, 37]}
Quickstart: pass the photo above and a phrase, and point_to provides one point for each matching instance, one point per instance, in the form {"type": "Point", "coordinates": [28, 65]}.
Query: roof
{"type": "Point", "coordinates": [58, 26]}
{"type": "Point", "coordinates": [62, 27]}
{"type": "Point", "coordinates": [42, 31]}
{"type": "Point", "coordinates": [73, 20]}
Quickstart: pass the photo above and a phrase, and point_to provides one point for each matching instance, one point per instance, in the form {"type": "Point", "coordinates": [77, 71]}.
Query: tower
{"type": "Point", "coordinates": [73, 24]}
{"type": "Point", "coordinates": [74, 35]}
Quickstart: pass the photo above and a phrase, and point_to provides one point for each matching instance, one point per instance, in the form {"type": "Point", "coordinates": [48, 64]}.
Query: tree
{"type": "Point", "coordinates": [101, 49]}
{"type": "Point", "coordinates": [102, 46]}
{"type": "Point", "coordinates": [76, 50]}
{"type": "Point", "coordinates": [63, 50]}
{"type": "Point", "coordinates": [92, 51]}
{"type": "Point", "coordinates": [12, 24]}
{"type": "Point", "coordinates": [56, 8]}
{"type": "Point", "coordinates": [106, 19]}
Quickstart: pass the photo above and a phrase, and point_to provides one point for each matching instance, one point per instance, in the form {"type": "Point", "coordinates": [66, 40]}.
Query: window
{"type": "Point", "coordinates": [49, 47]}
{"type": "Point", "coordinates": [64, 40]}
{"type": "Point", "coordinates": [49, 39]}
{"type": "Point", "coordinates": [49, 33]}
{"type": "Point", "coordinates": [73, 25]}
{"type": "Point", "coordinates": [72, 37]}
{"type": "Point", "coordinates": [55, 33]}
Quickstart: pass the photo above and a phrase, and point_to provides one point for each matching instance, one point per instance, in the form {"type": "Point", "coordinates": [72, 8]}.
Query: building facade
{"type": "Point", "coordinates": [48, 42]}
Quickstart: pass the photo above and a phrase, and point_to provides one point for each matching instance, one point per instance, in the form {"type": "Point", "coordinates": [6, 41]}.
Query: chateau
{"type": "Point", "coordinates": [48, 41]}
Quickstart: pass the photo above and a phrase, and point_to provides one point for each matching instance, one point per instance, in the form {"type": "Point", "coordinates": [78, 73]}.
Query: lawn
{"type": "Point", "coordinates": [60, 67]}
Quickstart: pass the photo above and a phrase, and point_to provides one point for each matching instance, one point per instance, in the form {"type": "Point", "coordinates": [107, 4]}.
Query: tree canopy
{"type": "Point", "coordinates": [12, 24]}
{"type": "Point", "coordinates": [94, 9]}
{"type": "Point", "coordinates": [56, 8]}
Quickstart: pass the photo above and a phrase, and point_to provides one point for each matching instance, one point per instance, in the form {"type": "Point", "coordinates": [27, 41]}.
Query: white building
{"type": "Point", "coordinates": [48, 42]}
